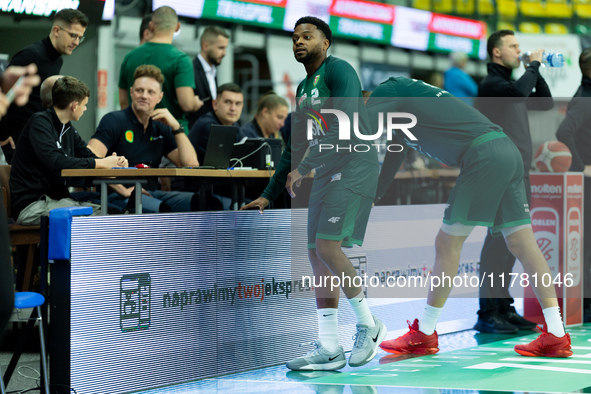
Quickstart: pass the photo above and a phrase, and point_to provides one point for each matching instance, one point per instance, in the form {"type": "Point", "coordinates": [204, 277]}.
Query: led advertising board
{"type": "Point", "coordinates": [360, 20]}
{"type": "Point", "coordinates": [47, 8]}
{"type": "Point", "coordinates": [154, 300]}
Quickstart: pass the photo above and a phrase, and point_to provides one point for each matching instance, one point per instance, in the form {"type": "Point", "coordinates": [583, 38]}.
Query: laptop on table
{"type": "Point", "coordinates": [219, 146]}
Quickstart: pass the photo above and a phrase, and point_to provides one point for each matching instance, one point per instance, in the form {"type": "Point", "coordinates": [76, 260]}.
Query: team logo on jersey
{"type": "Point", "coordinates": [129, 136]}
{"type": "Point", "coordinates": [315, 125]}
{"type": "Point", "coordinates": [302, 98]}
{"type": "Point", "coordinates": [316, 79]}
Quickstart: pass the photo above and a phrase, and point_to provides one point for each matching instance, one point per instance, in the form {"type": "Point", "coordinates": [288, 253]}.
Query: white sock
{"type": "Point", "coordinates": [328, 328]}
{"type": "Point", "coordinates": [361, 309]}
{"type": "Point", "coordinates": [428, 322]}
{"type": "Point", "coordinates": [554, 321]}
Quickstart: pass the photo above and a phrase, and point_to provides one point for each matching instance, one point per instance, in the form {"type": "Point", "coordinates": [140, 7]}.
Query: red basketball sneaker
{"type": "Point", "coordinates": [413, 342]}
{"type": "Point", "coordinates": [546, 345]}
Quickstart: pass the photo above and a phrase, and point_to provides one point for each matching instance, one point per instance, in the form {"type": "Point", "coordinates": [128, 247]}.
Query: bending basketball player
{"type": "Point", "coordinates": [489, 192]}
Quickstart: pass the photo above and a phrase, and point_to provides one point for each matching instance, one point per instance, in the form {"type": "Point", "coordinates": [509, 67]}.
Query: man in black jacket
{"type": "Point", "coordinates": [575, 132]}
{"type": "Point", "coordinates": [48, 144]}
{"type": "Point", "coordinates": [226, 111]}
{"type": "Point", "coordinates": [66, 34]}
{"type": "Point", "coordinates": [214, 42]}
{"type": "Point", "coordinates": [505, 102]}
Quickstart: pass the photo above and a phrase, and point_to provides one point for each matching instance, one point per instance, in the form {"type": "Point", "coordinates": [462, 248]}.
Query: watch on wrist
{"type": "Point", "coordinates": [181, 129]}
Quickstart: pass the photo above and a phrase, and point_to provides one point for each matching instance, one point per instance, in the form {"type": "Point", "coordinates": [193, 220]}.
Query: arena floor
{"type": "Point", "coordinates": [469, 362]}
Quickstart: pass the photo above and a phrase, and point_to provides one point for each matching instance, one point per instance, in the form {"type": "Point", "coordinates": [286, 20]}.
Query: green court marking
{"type": "Point", "coordinates": [494, 366]}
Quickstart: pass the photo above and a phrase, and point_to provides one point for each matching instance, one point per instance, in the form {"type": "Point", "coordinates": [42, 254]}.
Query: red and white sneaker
{"type": "Point", "coordinates": [546, 345]}
{"type": "Point", "coordinates": [413, 342]}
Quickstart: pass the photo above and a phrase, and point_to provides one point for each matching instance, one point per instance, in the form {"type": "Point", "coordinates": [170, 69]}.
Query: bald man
{"type": "Point", "coordinates": [175, 65]}
{"type": "Point", "coordinates": [46, 87]}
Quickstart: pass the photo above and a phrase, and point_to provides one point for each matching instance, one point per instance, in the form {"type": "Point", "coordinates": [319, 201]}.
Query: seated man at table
{"type": "Point", "coordinates": [227, 108]}
{"type": "Point", "coordinates": [47, 145]}
{"type": "Point", "coordinates": [146, 134]}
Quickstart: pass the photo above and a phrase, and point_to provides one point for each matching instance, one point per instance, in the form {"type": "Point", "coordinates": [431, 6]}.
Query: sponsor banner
{"type": "Point", "coordinates": [353, 19]}
{"type": "Point", "coordinates": [363, 10]}
{"type": "Point", "coordinates": [574, 248]}
{"type": "Point", "coordinates": [190, 8]}
{"type": "Point", "coordinates": [254, 13]}
{"type": "Point", "coordinates": [412, 29]}
{"type": "Point", "coordinates": [424, 30]}
{"type": "Point", "coordinates": [169, 298]}
{"type": "Point", "coordinates": [556, 212]}
{"type": "Point", "coordinates": [445, 43]}
{"type": "Point", "coordinates": [459, 27]}
{"type": "Point", "coordinates": [294, 10]}
{"type": "Point", "coordinates": [38, 7]}
{"type": "Point", "coordinates": [361, 30]}
{"type": "Point", "coordinates": [276, 3]}
{"type": "Point", "coordinates": [46, 8]}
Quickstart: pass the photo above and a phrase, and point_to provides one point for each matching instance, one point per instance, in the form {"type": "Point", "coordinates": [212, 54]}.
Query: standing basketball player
{"type": "Point", "coordinates": [341, 198]}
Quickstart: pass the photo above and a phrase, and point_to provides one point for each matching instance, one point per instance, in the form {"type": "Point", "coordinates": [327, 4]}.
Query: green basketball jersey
{"type": "Point", "coordinates": [446, 126]}
{"type": "Point", "coordinates": [334, 85]}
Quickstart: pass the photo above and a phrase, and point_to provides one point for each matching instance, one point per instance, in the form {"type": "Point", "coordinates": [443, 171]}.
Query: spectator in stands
{"type": "Point", "coordinates": [76, 186]}
{"type": "Point", "coordinates": [67, 32]}
{"type": "Point", "coordinates": [21, 92]}
{"type": "Point", "coordinates": [214, 42]}
{"type": "Point", "coordinates": [227, 109]}
{"type": "Point", "coordinates": [505, 102]}
{"type": "Point", "coordinates": [46, 87]}
{"type": "Point", "coordinates": [21, 97]}
{"type": "Point", "coordinates": [575, 132]}
{"type": "Point", "coordinates": [175, 66]}
{"type": "Point", "coordinates": [145, 33]}
{"type": "Point", "coordinates": [457, 81]}
{"type": "Point", "coordinates": [272, 110]}
{"type": "Point", "coordinates": [48, 144]}
{"type": "Point", "coordinates": [145, 134]}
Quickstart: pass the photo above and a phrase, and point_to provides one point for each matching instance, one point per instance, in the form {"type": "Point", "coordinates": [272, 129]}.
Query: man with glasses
{"type": "Point", "coordinates": [67, 32]}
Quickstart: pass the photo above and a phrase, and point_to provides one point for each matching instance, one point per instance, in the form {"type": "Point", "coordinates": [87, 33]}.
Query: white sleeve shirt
{"type": "Point", "coordinates": [210, 73]}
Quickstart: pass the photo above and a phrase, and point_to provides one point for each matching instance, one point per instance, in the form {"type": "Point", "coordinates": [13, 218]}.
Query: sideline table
{"type": "Point", "coordinates": [436, 174]}
{"type": "Point", "coordinates": [137, 176]}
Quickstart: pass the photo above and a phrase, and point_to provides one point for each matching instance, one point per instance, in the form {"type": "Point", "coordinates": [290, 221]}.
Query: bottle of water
{"type": "Point", "coordinates": [549, 59]}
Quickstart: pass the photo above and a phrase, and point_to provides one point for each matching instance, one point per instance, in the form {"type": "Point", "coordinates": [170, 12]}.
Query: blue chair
{"type": "Point", "coordinates": [26, 300]}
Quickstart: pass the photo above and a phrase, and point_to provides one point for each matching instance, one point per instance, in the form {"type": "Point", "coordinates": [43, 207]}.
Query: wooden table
{"type": "Point", "coordinates": [137, 176]}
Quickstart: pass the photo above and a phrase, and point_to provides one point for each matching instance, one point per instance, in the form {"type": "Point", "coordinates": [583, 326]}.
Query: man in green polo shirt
{"type": "Point", "coordinates": [175, 65]}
